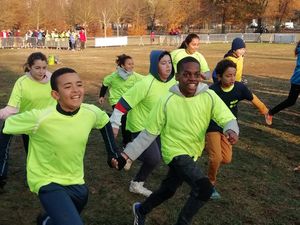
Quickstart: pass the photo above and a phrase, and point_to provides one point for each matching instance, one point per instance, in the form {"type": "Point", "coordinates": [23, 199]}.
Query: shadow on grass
{"type": "Point", "coordinates": [257, 188]}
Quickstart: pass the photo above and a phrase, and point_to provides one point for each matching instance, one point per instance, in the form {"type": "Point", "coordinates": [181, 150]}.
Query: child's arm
{"type": "Point", "coordinates": [8, 111]}
{"type": "Point", "coordinates": [102, 94]}
{"type": "Point", "coordinates": [259, 105]}
{"type": "Point", "coordinates": [121, 108]}
{"type": "Point", "coordinates": [113, 153]}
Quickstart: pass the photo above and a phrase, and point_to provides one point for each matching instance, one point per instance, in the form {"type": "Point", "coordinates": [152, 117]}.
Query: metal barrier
{"type": "Point", "coordinates": [162, 40]}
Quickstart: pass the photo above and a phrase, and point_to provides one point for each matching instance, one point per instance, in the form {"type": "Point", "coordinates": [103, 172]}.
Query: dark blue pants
{"type": "Point", "coordinates": [181, 169]}
{"type": "Point", "coordinates": [151, 158]}
{"type": "Point", "coordinates": [5, 140]}
{"type": "Point", "coordinates": [63, 204]}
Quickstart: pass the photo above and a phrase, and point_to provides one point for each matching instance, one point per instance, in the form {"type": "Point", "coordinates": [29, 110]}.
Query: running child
{"type": "Point", "coordinates": [138, 102]}
{"type": "Point", "coordinates": [231, 92]}
{"type": "Point", "coordinates": [57, 142]}
{"type": "Point", "coordinates": [294, 90]}
{"type": "Point", "coordinates": [181, 118]}
{"type": "Point", "coordinates": [189, 47]}
{"type": "Point", "coordinates": [31, 91]}
{"type": "Point", "coordinates": [117, 84]}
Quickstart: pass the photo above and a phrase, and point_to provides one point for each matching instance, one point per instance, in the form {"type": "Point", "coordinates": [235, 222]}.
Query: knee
{"type": "Point", "coordinates": [168, 193]}
{"type": "Point", "coordinates": [203, 189]}
{"type": "Point", "coordinates": [226, 160]}
{"type": "Point", "coordinates": [215, 159]}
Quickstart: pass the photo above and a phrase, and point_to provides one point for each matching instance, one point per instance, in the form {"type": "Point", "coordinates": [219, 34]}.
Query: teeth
{"type": "Point", "coordinates": [192, 85]}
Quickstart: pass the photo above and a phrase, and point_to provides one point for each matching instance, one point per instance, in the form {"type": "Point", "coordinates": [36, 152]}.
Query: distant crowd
{"type": "Point", "coordinates": [70, 39]}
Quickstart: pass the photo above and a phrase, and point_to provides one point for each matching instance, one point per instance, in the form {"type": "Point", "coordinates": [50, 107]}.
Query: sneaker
{"type": "Point", "coordinates": [215, 195]}
{"type": "Point", "coordinates": [138, 188]}
{"type": "Point", "coordinates": [269, 119]}
{"type": "Point", "coordinates": [139, 219]}
{"type": "Point", "coordinates": [42, 219]}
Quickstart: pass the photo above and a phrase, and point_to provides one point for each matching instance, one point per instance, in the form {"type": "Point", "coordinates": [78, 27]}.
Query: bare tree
{"type": "Point", "coordinates": [119, 11]}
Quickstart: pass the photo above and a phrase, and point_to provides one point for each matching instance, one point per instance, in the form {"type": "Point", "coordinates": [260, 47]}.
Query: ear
{"type": "Point", "coordinates": [177, 76]}
{"type": "Point", "coordinates": [55, 95]}
{"type": "Point", "coordinates": [219, 77]}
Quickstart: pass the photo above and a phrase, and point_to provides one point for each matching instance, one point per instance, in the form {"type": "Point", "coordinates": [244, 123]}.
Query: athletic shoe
{"type": "Point", "coordinates": [42, 219]}
{"type": "Point", "coordinates": [215, 195]}
{"type": "Point", "coordinates": [139, 219]}
{"type": "Point", "coordinates": [138, 188]}
{"type": "Point", "coordinates": [269, 119]}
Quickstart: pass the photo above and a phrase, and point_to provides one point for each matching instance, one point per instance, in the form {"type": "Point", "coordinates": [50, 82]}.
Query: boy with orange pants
{"type": "Point", "coordinates": [231, 92]}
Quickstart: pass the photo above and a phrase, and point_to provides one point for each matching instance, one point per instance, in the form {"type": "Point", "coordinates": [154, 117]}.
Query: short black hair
{"type": "Point", "coordinates": [223, 65]}
{"type": "Point", "coordinates": [57, 73]}
{"type": "Point", "coordinates": [184, 61]}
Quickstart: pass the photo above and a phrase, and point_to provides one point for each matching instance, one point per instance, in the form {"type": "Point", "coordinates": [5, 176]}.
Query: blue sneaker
{"type": "Point", "coordinates": [215, 195]}
{"type": "Point", "coordinates": [139, 219]}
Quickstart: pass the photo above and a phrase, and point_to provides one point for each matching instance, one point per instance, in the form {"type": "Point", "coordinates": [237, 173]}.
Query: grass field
{"type": "Point", "coordinates": [257, 188]}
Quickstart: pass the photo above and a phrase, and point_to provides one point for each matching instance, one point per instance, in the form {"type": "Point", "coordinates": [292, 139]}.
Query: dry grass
{"type": "Point", "coordinates": [258, 187]}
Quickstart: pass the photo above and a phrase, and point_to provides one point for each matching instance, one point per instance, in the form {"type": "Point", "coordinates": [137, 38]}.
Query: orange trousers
{"type": "Point", "coordinates": [219, 151]}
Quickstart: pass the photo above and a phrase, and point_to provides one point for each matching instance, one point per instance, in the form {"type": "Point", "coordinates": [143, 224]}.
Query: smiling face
{"type": "Point", "coordinates": [38, 69]}
{"type": "Point", "coordinates": [240, 52]}
{"type": "Point", "coordinates": [69, 92]}
{"type": "Point", "coordinates": [193, 46]}
{"type": "Point", "coordinates": [128, 65]}
{"type": "Point", "coordinates": [189, 77]}
{"type": "Point", "coordinates": [165, 67]}
{"type": "Point", "coordinates": [228, 77]}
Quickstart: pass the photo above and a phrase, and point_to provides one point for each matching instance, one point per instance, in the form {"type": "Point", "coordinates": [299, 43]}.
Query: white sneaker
{"type": "Point", "coordinates": [138, 188]}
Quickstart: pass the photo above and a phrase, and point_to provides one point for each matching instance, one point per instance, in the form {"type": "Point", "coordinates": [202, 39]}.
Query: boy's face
{"type": "Point", "coordinates": [228, 78]}
{"type": "Point", "coordinates": [164, 67]}
{"type": "Point", "coordinates": [70, 91]}
{"type": "Point", "coordinates": [189, 78]}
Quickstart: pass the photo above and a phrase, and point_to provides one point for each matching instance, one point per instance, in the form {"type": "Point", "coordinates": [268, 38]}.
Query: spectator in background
{"type": "Point", "coordinates": [82, 38]}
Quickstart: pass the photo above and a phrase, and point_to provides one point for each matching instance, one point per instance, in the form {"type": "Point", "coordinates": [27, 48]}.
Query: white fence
{"type": "Point", "coordinates": [163, 40]}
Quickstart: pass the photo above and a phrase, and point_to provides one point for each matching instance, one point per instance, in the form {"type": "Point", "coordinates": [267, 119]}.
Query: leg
{"type": "Point", "coordinates": [25, 142]}
{"type": "Point", "coordinates": [201, 188]}
{"type": "Point", "coordinates": [63, 204]}
{"type": "Point", "coordinates": [214, 150]}
{"type": "Point", "coordinates": [126, 134]}
{"type": "Point", "coordinates": [151, 157]}
{"type": "Point", "coordinates": [291, 100]}
{"type": "Point", "coordinates": [5, 140]}
{"type": "Point", "coordinates": [226, 150]}
{"type": "Point", "coordinates": [166, 190]}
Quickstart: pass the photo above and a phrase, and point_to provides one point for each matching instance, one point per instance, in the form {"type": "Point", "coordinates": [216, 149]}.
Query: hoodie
{"type": "Point", "coordinates": [154, 60]}
{"type": "Point", "coordinates": [139, 100]}
{"type": "Point", "coordinates": [183, 132]}
{"type": "Point", "coordinates": [295, 79]}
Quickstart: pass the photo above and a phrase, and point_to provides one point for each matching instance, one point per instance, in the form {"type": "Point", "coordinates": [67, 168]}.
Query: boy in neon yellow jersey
{"type": "Point", "coordinates": [138, 102]}
{"type": "Point", "coordinates": [181, 118]}
{"type": "Point", "coordinates": [189, 47]}
{"type": "Point", "coordinates": [57, 142]}
{"type": "Point", "coordinates": [117, 84]}
{"type": "Point", "coordinates": [31, 91]}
